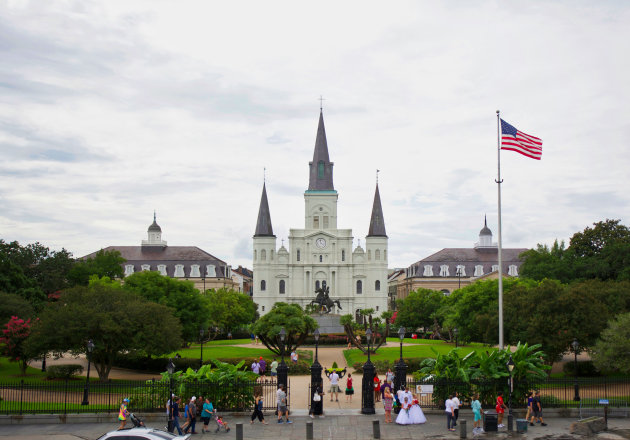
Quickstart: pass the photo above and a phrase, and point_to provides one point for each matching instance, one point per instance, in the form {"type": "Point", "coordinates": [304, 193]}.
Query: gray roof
{"type": "Point", "coordinates": [469, 258]}
{"type": "Point", "coordinates": [377, 221]}
{"type": "Point", "coordinates": [168, 256]}
{"type": "Point", "coordinates": [325, 182]}
{"type": "Point", "coordinates": [154, 227]}
{"type": "Point", "coordinates": [486, 230]}
{"type": "Point", "coordinates": [263, 224]}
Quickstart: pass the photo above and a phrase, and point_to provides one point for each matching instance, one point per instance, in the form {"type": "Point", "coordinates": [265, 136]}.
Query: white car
{"type": "Point", "coordinates": [142, 434]}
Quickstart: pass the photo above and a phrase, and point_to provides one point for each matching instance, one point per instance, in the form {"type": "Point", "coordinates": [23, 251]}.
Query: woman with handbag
{"type": "Point", "coordinates": [316, 404]}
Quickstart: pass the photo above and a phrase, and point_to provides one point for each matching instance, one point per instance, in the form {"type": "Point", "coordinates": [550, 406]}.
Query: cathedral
{"type": "Point", "coordinates": [321, 255]}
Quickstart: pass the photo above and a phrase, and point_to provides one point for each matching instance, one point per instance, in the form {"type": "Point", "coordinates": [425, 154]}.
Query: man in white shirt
{"type": "Point", "coordinates": [294, 357]}
{"type": "Point", "coordinates": [408, 395]}
{"type": "Point", "coordinates": [450, 414]}
{"type": "Point", "coordinates": [334, 385]}
{"type": "Point", "coordinates": [456, 404]}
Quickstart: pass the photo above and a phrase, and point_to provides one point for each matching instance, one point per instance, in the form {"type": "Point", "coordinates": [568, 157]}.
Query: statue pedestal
{"type": "Point", "coordinates": [328, 323]}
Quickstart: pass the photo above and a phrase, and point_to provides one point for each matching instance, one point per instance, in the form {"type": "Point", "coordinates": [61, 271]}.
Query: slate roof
{"type": "Point", "coordinates": [324, 183]}
{"type": "Point", "coordinates": [169, 256]}
{"type": "Point", "coordinates": [377, 221]}
{"type": "Point", "coordinates": [467, 257]}
{"type": "Point", "coordinates": [263, 224]}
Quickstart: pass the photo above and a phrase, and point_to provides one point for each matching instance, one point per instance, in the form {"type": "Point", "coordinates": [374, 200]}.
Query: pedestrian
{"type": "Point", "coordinates": [388, 404]}
{"type": "Point", "coordinates": [530, 400]}
{"type": "Point", "coordinates": [123, 413]}
{"type": "Point", "coordinates": [256, 337]}
{"type": "Point", "coordinates": [384, 387]}
{"type": "Point", "coordinates": [377, 388]}
{"type": "Point", "coordinates": [477, 411]}
{"type": "Point", "coordinates": [192, 415]}
{"type": "Point", "coordinates": [207, 412]}
{"type": "Point", "coordinates": [263, 367]}
{"type": "Point", "coordinates": [389, 376]}
{"type": "Point", "coordinates": [258, 407]}
{"type": "Point", "coordinates": [456, 405]}
{"type": "Point", "coordinates": [450, 413]}
{"type": "Point", "coordinates": [500, 409]}
{"type": "Point", "coordinates": [256, 367]}
{"type": "Point", "coordinates": [334, 385]}
{"type": "Point", "coordinates": [186, 418]}
{"type": "Point", "coordinates": [537, 408]}
{"type": "Point", "coordinates": [294, 357]}
{"type": "Point", "coordinates": [349, 389]}
{"type": "Point", "coordinates": [177, 401]}
{"type": "Point", "coordinates": [316, 404]}
{"type": "Point", "coordinates": [282, 405]}
{"type": "Point", "coordinates": [273, 370]}
{"type": "Point", "coordinates": [251, 336]}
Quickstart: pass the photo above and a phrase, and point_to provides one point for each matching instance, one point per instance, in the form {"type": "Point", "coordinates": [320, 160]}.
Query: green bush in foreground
{"type": "Point", "coordinates": [63, 371]}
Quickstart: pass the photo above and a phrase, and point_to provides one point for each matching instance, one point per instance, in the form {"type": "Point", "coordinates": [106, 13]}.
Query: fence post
{"type": "Point", "coordinates": [376, 429]}
{"type": "Point", "coordinates": [21, 394]}
{"type": "Point", "coordinates": [239, 431]}
{"type": "Point", "coordinates": [309, 430]}
{"type": "Point", "coordinates": [65, 397]}
{"type": "Point", "coordinates": [462, 428]}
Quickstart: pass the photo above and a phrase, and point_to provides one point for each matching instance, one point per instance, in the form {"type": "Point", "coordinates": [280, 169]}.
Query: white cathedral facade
{"type": "Point", "coordinates": [321, 254]}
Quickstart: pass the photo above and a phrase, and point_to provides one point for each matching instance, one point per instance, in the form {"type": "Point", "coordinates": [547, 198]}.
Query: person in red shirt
{"type": "Point", "coordinates": [377, 388]}
{"type": "Point", "coordinates": [500, 409]}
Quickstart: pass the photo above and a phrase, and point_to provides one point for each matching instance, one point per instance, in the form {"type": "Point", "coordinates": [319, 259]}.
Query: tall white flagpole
{"type": "Point", "coordinates": [499, 181]}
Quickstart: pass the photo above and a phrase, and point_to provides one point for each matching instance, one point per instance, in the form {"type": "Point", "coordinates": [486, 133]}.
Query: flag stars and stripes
{"type": "Point", "coordinates": [523, 143]}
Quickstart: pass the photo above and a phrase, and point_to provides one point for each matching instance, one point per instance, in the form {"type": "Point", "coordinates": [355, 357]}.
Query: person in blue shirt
{"type": "Point", "coordinates": [206, 414]}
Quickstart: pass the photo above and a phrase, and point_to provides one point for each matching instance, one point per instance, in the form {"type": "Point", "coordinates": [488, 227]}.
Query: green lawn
{"type": "Point", "coordinates": [222, 351]}
{"type": "Point", "coordinates": [226, 342]}
{"type": "Point", "coordinates": [417, 351]}
{"type": "Point", "coordinates": [10, 372]}
{"type": "Point", "coordinates": [53, 407]}
{"type": "Point", "coordinates": [416, 341]}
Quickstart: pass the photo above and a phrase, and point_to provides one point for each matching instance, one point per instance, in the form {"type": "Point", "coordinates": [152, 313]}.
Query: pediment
{"type": "Point", "coordinates": [324, 233]}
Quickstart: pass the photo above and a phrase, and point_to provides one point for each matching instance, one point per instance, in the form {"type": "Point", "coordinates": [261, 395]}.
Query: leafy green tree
{"type": "Point", "coordinates": [544, 262]}
{"type": "Point", "coordinates": [592, 241]}
{"type": "Point", "coordinates": [612, 351]}
{"type": "Point", "coordinates": [419, 309]}
{"type": "Point", "coordinates": [228, 309]}
{"type": "Point", "coordinates": [189, 306]}
{"type": "Point", "coordinates": [14, 305]}
{"type": "Point", "coordinates": [103, 264]}
{"type": "Point", "coordinates": [115, 321]}
{"type": "Point", "coordinates": [296, 323]}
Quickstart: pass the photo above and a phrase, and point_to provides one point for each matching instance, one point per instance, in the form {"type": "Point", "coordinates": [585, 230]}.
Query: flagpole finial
{"type": "Point", "coordinates": [498, 111]}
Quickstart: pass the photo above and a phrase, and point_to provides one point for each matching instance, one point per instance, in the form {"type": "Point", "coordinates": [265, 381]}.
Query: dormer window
{"type": "Point", "coordinates": [128, 269]}
{"type": "Point", "coordinates": [162, 269]}
{"type": "Point", "coordinates": [460, 271]}
{"type": "Point", "coordinates": [146, 267]}
{"type": "Point", "coordinates": [479, 270]}
{"type": "Point", "coordinates": [320, 169]}
{"type": "Point", "coordinates": [194, 271]}
{"type": "Point", "coordinates": [495, 267]}
{"type": "Point", "coordinates": [513, 270]}
{"type": "Point", "coordinates": [444, 270]}
{"type": "Point", "coordinates": [428, 270]}
{"type": "Point", "coordinates": [179, 271]}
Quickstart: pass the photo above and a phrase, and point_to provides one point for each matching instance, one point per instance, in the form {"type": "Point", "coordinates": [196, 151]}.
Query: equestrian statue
{"type": "Point", "coordinates": [323, 300]}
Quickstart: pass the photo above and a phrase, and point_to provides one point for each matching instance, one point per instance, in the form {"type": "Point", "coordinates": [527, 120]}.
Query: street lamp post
{"type": "Point", "coordinates": [456, 334]}
{"type": "Point", "coordinates": [44, 363]}
{"type": "Point", "coordinates": [400, 375]}
{"type": "Point", "coordinates": [367, 396]}
{"type": "Point", "coordinates": [510, 366]}
{"type": "Point", "coordinates": [459, 277]}
{"type": "Point", "coordinates": [90, 349]}
{"type": "Point", "coordinates": [170, 367]}
{"type": "Point", "coordinates": [575, 344]}
{"type": "Point", "coordinates": [316, 378]}
{"type": "Point", "coordinates": [201, 332]}
{"type": "Point", "coordinates": [283, 370]}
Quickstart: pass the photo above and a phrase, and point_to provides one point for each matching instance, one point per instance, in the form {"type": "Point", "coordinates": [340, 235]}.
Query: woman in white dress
{"type": "Point", "coordinates": [416, 416]}
{"type": "Point", "coordinates": [403, 415]}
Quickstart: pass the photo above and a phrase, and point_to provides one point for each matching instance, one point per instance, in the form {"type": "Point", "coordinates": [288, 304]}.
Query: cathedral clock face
{"type": "Point", "coordinates": [320, 243]}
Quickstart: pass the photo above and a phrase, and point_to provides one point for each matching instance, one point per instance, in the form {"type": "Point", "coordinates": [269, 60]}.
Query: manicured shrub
{"type": "Point", "coordinates": [584, 369]}
{"type": "Point", "coordinates": [63, 371]}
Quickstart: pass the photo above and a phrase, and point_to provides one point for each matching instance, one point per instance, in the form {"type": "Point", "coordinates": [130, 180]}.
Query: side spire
{"type": "Point", "coordinates": [321, 168]}
{"type": "Point", "coordinates": [377, 222]}
{"type": "Point", "coordinates": [263, 225]}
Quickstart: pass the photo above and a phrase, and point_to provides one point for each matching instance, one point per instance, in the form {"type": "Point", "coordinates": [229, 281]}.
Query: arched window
{"type": "Point", "coordinates": [281, 287]}
{"type": "Point", "coordinates": [320, 169]}
{"type": "Point", "coordinates": [317, 285]}
{"type": "Point", "coordinates": [377, 254]}
{"type": "Point", "coordinates": [263, 285]}
{"type": "Point", "coordinates": [343, 255]}
{"type": "Point", "coordinates": [271, 255]}
{"type": "Point", "coordinates": [385, 255]}
{"type": "Point", "coordinates": [359, 286]}
{"type": "Point", "coordinates": [320, 258]}
{"type": "Point", "coordinates": [263, 255]}
{"type": "Point", "coordinates": [377, 285]}
{"type": "Point", "coordinates": [369, 255]}
{"type": "Point", "coordinates": [255, 254]}
{"type": "Point", "coordinates": [298, 255]}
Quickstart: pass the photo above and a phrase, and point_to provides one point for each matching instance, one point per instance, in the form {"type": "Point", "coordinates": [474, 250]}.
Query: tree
{"type": "Point", "coordinates": [112, 318]}
{"type": "Point", "coordinates": [14, 305]}
{"type": "Point", "coordinates": [296, 323]}
{"type": "Point", "coordinates": [612, 350]}
{"type": "Point", "coordinates": [593, 241]}
{"type": "Point", "coordinates": [189, 306]}
{"type": "Point", "coordinates": [419, 309]}
{"type": "Point", "coordinates": [544, 262]}
{"type": "Point", "coordinates": [228, 309]}
{"type": "Point", "coordinates": [379, 335]}
{"type": "Point", "coordinates": [13, 341]}
{"type": "Point", "coordinates": [103, 264]}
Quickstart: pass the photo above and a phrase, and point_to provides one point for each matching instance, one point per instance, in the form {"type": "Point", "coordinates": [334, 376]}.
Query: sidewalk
{"type": "Point", "coordinates": [348, 427]}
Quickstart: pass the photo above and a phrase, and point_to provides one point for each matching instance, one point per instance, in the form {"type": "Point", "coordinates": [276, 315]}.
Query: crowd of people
{"type": "Point", "coordinates": [193, 408]}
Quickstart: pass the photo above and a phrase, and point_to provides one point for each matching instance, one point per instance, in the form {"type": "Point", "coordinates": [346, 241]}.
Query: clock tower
{"type": "Point", "coordinates": [321, 254]}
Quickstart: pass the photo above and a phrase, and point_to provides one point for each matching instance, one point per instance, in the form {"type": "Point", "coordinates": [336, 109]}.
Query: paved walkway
{"type": "Point", "coordinates": [355, 427]}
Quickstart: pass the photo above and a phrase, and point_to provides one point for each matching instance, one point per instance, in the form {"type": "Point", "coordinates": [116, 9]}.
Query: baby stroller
{"type": "Point", "coordinates": [137, 421]}
{"type": "Point", "coordinates": [221, 423]}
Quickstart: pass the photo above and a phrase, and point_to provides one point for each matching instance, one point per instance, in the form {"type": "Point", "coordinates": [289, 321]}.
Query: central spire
{"type": "Point", "coordinates": [263, 225]}
{"type": "Point", "coordinates": [321, 168]}
{"type": "Point", "coordinates": [377, 222]}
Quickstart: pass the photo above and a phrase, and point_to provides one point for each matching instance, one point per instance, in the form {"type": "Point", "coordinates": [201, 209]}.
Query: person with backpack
{"type": "Point", "coordinates": [258, 407]}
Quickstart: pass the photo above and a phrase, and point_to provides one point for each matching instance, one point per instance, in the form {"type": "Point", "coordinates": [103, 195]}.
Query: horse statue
{"type": "Point", "coordinates": [323, 300]}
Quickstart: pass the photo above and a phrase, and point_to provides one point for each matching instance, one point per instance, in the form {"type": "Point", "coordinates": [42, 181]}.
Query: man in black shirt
{"type": "Point", "coordinates": [537, 407]}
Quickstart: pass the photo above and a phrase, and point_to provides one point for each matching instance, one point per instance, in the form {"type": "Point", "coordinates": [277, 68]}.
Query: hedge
{"type": "Point", "coordinates": [63, 371]}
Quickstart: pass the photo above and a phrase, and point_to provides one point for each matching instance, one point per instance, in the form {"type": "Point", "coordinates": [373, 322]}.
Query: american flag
{"type": "Point", "coordinates": [515, 140]}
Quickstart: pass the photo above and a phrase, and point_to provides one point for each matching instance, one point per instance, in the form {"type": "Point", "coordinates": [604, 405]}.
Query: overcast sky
{"type": "Point", "coordinates": [111, 109]}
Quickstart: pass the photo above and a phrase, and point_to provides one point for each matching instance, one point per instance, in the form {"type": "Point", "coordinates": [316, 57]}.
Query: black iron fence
{"type": "Point", "coordinates": [554, 392]}
{"type": "Point", "coordinates": [67, 397]}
